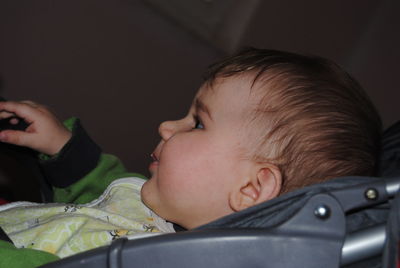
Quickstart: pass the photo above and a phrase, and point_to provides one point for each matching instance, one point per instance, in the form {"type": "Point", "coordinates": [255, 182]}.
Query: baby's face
{"type": "Point", "coordinates": [199, 160]}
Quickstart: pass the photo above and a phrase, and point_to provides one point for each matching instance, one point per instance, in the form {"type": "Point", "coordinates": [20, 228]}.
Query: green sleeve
{"type": "Point", "coordinates": [108, 169]}
{"type": "Point", "coordinates": [10, 256]}
{"type": "Point", "coordinates": [81, 172]}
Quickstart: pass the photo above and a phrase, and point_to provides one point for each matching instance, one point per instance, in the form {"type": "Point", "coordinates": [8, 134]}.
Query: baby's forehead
{"type": "Point", "coordinates": [233, 94]}
{"type": "Point", "coordinates": [240, 84]}
{"type": "Point", "coordinates": [244, 87]}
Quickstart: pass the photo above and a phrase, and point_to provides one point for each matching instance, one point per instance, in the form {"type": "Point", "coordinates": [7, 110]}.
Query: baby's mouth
{"type": "Point", "coordinates": [154, 163]}
{"type": "Point", "coordinates": [154, 157]}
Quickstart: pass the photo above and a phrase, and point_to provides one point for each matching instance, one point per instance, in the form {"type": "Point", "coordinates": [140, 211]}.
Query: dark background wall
{"type": "Point", "coordinates": [125, 66]}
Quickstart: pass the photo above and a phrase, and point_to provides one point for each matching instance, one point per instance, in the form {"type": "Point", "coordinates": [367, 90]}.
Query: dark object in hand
{"type": "Point", "coordinates": [5, 124]}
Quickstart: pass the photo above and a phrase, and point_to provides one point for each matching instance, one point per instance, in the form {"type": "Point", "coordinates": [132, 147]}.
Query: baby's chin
{"type": "Point", "coordinates": [143, 191]}
{"type": "Point", "coordinates": [146, 194]}
{"type": "Point", "coordinates": [149, 198]}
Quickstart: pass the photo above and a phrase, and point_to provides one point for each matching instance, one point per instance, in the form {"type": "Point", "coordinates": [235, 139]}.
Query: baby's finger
{"type": "Point", "coordinates": [31, 103]}
{"type": "Point", "coordinates": [14, 121]}
{"type": "Point", "coordinates": [14, 137]}
{"type": "Point", "coordinates": [4, 115]}
{"type": "Point", "coordinates": [23, 110]}
{"type": "Point", "coordinates": [39, 107]}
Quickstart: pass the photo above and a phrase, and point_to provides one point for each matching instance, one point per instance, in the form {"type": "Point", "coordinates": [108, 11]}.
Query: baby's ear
{"type": "Point", "coordinates": [264, 185]}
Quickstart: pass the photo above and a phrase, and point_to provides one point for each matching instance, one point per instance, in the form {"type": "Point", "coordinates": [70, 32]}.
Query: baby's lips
{"type": "Point", "coordinates": [155, 160]}
{"type": "Point", "coordinates": [153, 165]}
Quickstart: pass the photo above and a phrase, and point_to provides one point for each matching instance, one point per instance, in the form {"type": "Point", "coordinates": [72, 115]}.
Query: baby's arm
{"type": "Point", "coordinates": [80, 172]}
{"type": "Point", "coordinates": [77, 170]}
{"type": "Point", "coordinates": [45, 133]}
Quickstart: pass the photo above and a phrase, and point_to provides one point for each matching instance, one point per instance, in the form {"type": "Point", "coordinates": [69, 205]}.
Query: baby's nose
{"type": "Point", "coordinates": [166, 130]}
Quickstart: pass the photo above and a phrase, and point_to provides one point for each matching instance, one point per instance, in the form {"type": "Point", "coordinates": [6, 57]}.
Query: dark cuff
{"type": "Point", "coordinates": [76, 159]}
{"type": "Point", "coordinates": [4, 236]}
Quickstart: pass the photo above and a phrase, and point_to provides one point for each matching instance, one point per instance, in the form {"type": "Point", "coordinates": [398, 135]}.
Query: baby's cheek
{"type": "Point", "coordinates": [186, 161]}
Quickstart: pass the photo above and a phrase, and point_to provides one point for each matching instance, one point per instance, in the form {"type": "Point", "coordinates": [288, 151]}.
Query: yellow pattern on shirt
{"type": "Point", "coordinates": [66, 229]}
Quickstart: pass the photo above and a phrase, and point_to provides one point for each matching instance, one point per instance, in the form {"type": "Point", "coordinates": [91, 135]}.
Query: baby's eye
{"type": "Point", "coordinates": [198, 124]}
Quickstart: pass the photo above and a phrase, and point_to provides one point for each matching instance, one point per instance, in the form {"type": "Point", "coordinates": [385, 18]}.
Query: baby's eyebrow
{"type": "Point", "coordinates": [200, 106]}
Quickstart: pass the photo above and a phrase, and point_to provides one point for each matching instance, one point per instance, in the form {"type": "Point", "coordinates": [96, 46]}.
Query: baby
{"type": "Point", "coordinates": [264, 123]}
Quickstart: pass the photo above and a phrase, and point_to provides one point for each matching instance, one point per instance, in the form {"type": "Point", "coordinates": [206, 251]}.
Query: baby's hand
{"type": "Point", "coordinates": [45, 133]}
